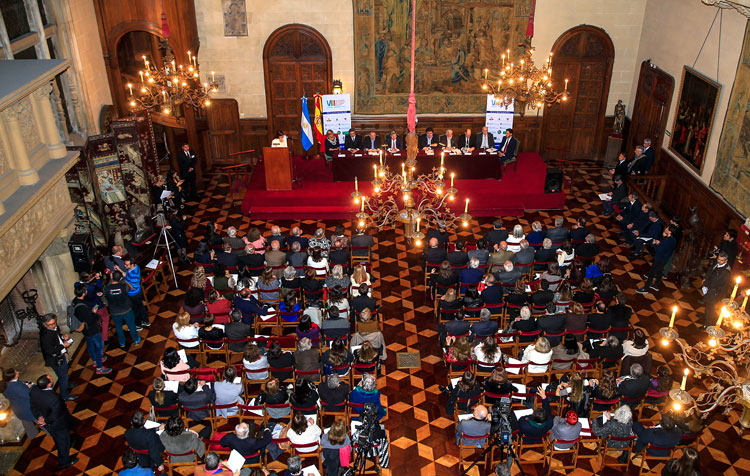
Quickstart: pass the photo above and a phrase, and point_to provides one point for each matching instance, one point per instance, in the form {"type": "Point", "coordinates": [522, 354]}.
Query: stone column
{"type": "Point", "coordinates": [47, 124]}
{"type": "Point", "coordinates": [12, 118]}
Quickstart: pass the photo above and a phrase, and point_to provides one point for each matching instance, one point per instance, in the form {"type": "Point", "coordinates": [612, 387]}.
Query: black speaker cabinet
{"type": "Point", "coordinates": [553, 182]}
{"type": "Point", "coordinates": [81, 251]}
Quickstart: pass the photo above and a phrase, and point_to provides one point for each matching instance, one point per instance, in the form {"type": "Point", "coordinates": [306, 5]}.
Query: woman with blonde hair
{"type": "Point", "coordinates": [335, 444]}
{"type": "Point", "coordinates": [459, 351]}
{"type": "Point", "coordinates": [576, 392]}
{"type": "Point", "coordinates": [538, 355]}
{"type": "Point", "coordinates": [337, 278]}
{"type": "Point", "coordinates": [449, 302]}
{"type": "Point", "coordinates": [359, 276]}
{"type": "Point", "coordinates": [162, 398]}
{"type": "Point", "coordinates": [366, 354]}
{"type": "Point", "coordinates": [274, 394]}
{"type": "Point", "coordinates": [185, 331]}
{"type": "Point", "coordinates": [200, 281]}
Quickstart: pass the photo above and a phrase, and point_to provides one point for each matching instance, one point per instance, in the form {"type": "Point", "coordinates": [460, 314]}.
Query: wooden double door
{"type": "Point", "coordinates": [573, 129]}
{"type": "Point", "coordinates": [297, 63]}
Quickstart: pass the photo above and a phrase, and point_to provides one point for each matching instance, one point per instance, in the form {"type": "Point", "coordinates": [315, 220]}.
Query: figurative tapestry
{"type": "Point", "coordinates": [695, 116]}
{"type": "Point", "coordinates": [235, 18]}
{"type": "Point", "coordinates": [731, 177]}
{"type": "Point", "coordinates": [455, 41]}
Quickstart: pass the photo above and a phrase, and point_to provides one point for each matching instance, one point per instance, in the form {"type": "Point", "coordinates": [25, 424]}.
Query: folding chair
{"type": "Point", "coordinates": [553, 450]}
{"type": "Point", "coordinates": [279, 406]}
{"type": "Point", "coordinates": [164, 409]}
{"type": "Point", "coordinates": [195, 350]}
{"type": "Point", "coordinates": [215, 416]}
{"type": "Point", "coordinates": [341, 410]}
{"type": "Point", "coordinates": [176, 373]}
{"type": "Point", "coordinates": [231, 353]}
{"type": "Point", "coordinates": [467, 403]}
{"type": "Point", "coordinates": [171, 466]}
{"type": "Point", "coordinates": [256, 413]}
{"type": "Point", "coordinates": [456, 368]}
{"type": "Point", "coordinates": [364, 258]}
{"type": "Point", "coordinates": [525, 444]}
{"type": "Point", "coordinates": [635, 405]}
{"type": "Point", "coordinates": [315, 374]}
{"type": "Point", "coordinates": [280, 372]}
{"type": "Point", "coordinates": [654, 459]}
{"type": "Point", "coordinates": [207, 350]}
{"type": "Point", "coordinates": [465, 445]}
{"type": "Point", "coordinates": [609, 404]}
{"type": "Point", "coordinates": [606, 450]}
{"type": "Point", "coordinates": [359, 369]}
{"type": "Point", "coordinates": [584, 366]}
{"type": "Point", "coordinates": [308, 450]}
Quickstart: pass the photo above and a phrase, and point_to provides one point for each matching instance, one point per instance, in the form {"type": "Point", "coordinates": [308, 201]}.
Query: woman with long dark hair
{"type": "Point", "coordinates": [467, 389]}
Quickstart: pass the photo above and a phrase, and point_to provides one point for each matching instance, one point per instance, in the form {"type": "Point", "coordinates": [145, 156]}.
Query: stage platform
{"type": "Point", "coordinates": [317, 196]}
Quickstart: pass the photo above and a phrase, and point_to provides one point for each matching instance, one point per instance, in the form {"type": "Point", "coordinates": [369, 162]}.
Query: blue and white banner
{"type": "Point", "coordinates": [499, 117]}
{"type": "Point", "coordinates": [307, 133]}
{"type": "Point", "coordinates": [337, 114]}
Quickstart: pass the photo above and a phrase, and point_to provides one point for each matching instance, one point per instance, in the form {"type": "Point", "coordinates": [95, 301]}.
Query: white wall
{"type": "Point", "coordinates": [621, 19]}
{"type": "Point", "coordinates": [673, 31]}
{"type": "Point", "coordinates": [87, 58]}
{"type": "Point", "coordinates": [240, 58]}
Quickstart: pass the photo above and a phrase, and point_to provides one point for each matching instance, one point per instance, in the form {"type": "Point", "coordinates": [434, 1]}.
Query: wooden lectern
{"type": "Point", "coordinates": [278, 165]}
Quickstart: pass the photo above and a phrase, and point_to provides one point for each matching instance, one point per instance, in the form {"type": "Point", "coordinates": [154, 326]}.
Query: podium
{"type": "Point", "coordinates": [278, 166]}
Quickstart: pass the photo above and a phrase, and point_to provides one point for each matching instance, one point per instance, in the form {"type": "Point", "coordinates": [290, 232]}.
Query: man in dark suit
{"type": "Point", "coordinates": [618, 193]}
{"type": "Point", "coordinates": [434, 253]}
{"type": "Point", "coordinates": [237, 330]}
{"type": "Point", "coordinates": [507, 276]}
{"type": "Point", "coordinates": [440, 234]}
{"type": "Point", "coordinates": [630, 210]}
{"type": "Point", "coordinates": [17, 393]}
{"type": "Point", "coordinates": [728, 245]}
{"type": "Point", "coordinates": [335, 326]}
{"type": "Point", "coordinates": [455, 327]}
{"type": "Point", "coordinates": [621, 168]}
{"type": "Point", "coordinates": [558, 234]}
{"type": "Point", "coordinates": [54, 346]}
{"type": "Point", "coordinates": [544, 295]}
{"type": "Point", "coordinates": [650, 234]}
{"type": "Point", "coordinates": [636, 385]}
{"type": "Point", "coordinates": [358, 303]}
{"type": "Point", "coordinates": [458, 257]}
{"type": "Point", "coordinates": [50, 412]}
{"type": "Point", "coordinates": [297, 236]}
{"type": "Point", "coordinates": [372, 142]}
{"type": "Point", "coordinates": [715, 287]}
{"type": "Point", "coordinates": [471, 274]}
{"type": "Point", "coordinates": [485, 327]}
{"type": "Point", "coordinates": [589, 248]}
{"type": "Point", "coordinates": [245, 443]}
{"type": "Point", "coordinates": [639, 223]}
{"type": "Point", "coordinates": [352, 141]}
{"type": "Point", "coordinates": [249, 307]}
{"type": "Point", "coordinates": [492, 293]}
{"type": "Point", "coordinates": [508, 146]}
{"type": "Point", "coordinates": [620, 314]}
{"type": "Point", "coordinates": [362, 240]}
{"type": "Point", "coordinates": [524, 258]}
{"type": "Point", "coordinates": [497, 234]}
{"type": "Point", "coordinates": [600, 319]}
{"type": "Point", "coordinates": [190, 397]}
{"type": "Point", "coordinates": [226, 257]}
{"type": "Point", "coordinates": [428, 140]}
{"type": "Point", "coordinates": [448, 141]}
{"type": "Point", "coordinates": [546, 254]}
{"type": "Point", "coordinates": [142, 439]}
{"type": "Point", "coordinates": [466, 141]}
{"type": "Point", "coordinates": [552, 323]}
{"type": "Point", "coordinates": [485, 139]}
{"type": "Point", "coordinates": [187, 160]}
{"type": "Point", "coordinates": [394, 142]}
{"type": "Point", "coordinates": [666, 436]}
{"type": "Point", "coordinates": [579, 232]}
{"type": "Point", "coordinates": [648, 151]}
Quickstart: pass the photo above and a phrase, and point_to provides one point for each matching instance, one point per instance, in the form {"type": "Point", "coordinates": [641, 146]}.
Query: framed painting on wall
{"type": "Point", "coordinates": [694, 119]}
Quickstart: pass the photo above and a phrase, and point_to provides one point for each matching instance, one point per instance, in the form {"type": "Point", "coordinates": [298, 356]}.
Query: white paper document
{"type": "Point", "coordinates": [183, 355]}
{"type": "Point", "coordinates": [604, 197]}
{"type": "Point", "coordinates": [171, 386]}
{"type": "Point", "coordinates": [152, 264]}
{"type": "Point", "coordinates": [235, 461]}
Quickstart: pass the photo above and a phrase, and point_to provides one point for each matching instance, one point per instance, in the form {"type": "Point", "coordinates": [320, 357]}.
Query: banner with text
{"type": "Point", "coordinates": [499, 117]}
{"type": "Point", "coordinates": [337, 114]}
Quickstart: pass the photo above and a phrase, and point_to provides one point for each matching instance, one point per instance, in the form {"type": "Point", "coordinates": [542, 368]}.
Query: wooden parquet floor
{"type": "Point", "coordinates": [421, 434]}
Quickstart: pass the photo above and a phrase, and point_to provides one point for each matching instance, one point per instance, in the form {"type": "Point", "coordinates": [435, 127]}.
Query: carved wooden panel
{"type": "Point", "coordinates": [572, 130]}
{"type": "Point", "coordinates": [297, 62]}
{"type": "Point", "coordinates": [223, 131]}
{"type": "Point", "coordinates": [651, 108]}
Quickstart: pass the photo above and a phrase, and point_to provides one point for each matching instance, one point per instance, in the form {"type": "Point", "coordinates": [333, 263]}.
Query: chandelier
{"type": "Point", "coordinates": [408, 198]}
{"type": "Point", "coordinates": [168, 88]}
{"type": "Point", "coordinates": [722, 362]}
{"type": "Point", "coordinates": [523, 83]}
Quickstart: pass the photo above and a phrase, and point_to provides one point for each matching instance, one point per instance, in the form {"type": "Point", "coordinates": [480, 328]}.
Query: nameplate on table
{"type": "Point", "coordinates": [396, 154]}
{"type": "Point", "coordinates": [483, 153]}
{"type": "Point", "coordinates": [357, 155]}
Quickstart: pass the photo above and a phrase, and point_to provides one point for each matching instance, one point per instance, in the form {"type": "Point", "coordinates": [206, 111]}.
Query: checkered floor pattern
{"type": "Point", "coordinates": [421, 434]}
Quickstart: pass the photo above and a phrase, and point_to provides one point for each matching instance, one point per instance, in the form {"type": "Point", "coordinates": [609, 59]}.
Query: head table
{"type": "Point", "coordinates": [478, 164]}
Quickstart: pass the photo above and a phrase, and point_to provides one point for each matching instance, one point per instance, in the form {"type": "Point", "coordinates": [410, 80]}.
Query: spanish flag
{"type": "Point", "coordinates": [318, 122]}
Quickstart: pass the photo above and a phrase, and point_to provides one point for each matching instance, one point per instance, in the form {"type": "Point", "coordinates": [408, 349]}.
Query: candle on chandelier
{"type": "Point", "coordinates": [356, 186]}
{"type": "Point", "coordinates": [130, 87]}
{"type": "Point", "coordinates": [453, 175]}
{"type": "Point", "coordinates": [375, 171]}
{"type": "Point", "coordinates": [141, 73]}
{"type": "Point", "coordinates": [684, 379]}
{"type": "Point", "coordinates": [736, 286]}
{"type": "Point", "coordinates": [381, 158]}
{"type": "Point", "coordinates": [442, 159]}
{"type": "Point", "coordinates": [213, 76]}
{"type": "Point", "coordinates": [566, 85]}
{"type": "Point", "coordinates": [744, 301]}
{"type": "Point", "coordinates": [503, 55]}
{"type": "Point", "coordinates": [145, 62]}
{"type": "Point", "coordinates": [485, 73]}
{"type": "Point", "coordinates": [721, 316]}
{"type": "Point", "coordinates": [508, 52]}
{"type": "Point", "coordinates": [364, 199]}
{"type": "Point", "coordinates": [466, 208]}
{"type": "Point", "coordinates": [674, 313]}
{"type": "Point", "coordinates": [418, 219]}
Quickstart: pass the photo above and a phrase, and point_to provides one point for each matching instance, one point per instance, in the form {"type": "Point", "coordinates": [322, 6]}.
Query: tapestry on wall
{"type": "Point", "coordinates": [731, 177]}
{"type": "Point", "coordinates": [455, 41]}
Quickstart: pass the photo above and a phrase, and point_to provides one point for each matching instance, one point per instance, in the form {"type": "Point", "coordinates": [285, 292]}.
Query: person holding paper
{"type": "Point", "coordinates": [145, 439]}
{"type": "Point", "coordinates": [245, 443]}
{"type": "Point", "coordinates": [715, 287]}
{"type": "Point", "coordinates": [179, 440]}
{"type": "Point", "coordinates": [303, 431]}
{"type": "Point", "coordinates": [466, 141]}
{"type": "Point", "coordinates": [533, 427]}
{"type": "Point", "coordinates": [196, 394]}
{"type": "Point", "coordinates": [372, 142]}
{"type": "Point", "coordinates": [173, 367]}
{"type": "Point", "coordinates": [652, 232]}
{"type": "Point", "coordinates": [618, 194]}
{"type": "Point", "coordinates": [618, 424]}
{"type": "Point", "coordinates": [162, 397]}
{"type": "Point", "coordinates": [428, 141]}
{"type": "Point", "coordinates": [54, 345]}
{"type": "Point", "coordinates": [477, 425]}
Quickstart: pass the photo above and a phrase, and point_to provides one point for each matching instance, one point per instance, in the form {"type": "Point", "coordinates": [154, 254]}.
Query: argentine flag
{"type": "Point", "coordinates": [307, 133]}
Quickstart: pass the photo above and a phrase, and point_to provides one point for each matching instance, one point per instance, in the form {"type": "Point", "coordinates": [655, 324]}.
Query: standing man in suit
{"type": "Point", "coordinates": [51, 413]}
{"type": "Point", "coordinates": [54, 346]}
{"type": "Point", "coordinates": [466, 141]}
{"type": "Point", "coordinates": [448, 141]}
{"type": "Point", "coordinates": [394, 142]}
{"type": "Point", "coordinates": [485, 140]}
{"type": "Point", "coordinates": [186, 159]}
{"type": "Point", "coordinates": [372, 142]}
{"type": "Point", "coordinates": [352, 141]}
{"type": "Point", "coordinates": [715, 287]}
{"type": "Point", "coordinates": [508, 146]}
{"type": "Point", "coordinates": [428, 140]}
{"type": "Point", "coordinates": [650, 155]}
{"type": "Point", "coordinates": [18, 394]}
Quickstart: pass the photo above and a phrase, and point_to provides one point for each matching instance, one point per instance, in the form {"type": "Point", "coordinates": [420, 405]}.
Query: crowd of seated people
{"type": "Point", "coordinates": [555, 338]}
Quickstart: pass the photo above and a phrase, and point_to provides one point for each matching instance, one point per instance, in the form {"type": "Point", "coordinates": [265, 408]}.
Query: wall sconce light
{"type": "Point", "coordinates": [337, 86]}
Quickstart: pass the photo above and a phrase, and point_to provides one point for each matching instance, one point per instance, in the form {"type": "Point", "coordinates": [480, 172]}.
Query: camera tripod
{"type": "Point", "coordinates": [495, 442]}
{"type": "Point", "coordinates": [165, 240]}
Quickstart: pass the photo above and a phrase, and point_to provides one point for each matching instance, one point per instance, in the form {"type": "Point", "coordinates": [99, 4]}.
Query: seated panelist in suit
{"type": "Point", "coordinates": [428, 140]}
{"type": "Point", "coordinates": [466, 141]}
{"type": "Point", "coordinates": [508, 146]}
{"type": "Point", "coordinates": [372, 142]}
{"type": "Point", "coordinates": [394, 142]}
{"type": "Point", "coordinates": [448, 141]}
{"type": "Point", "coordinates": [485, 140]}
{"type": "Point", "coordinates": [353, 141]}
{"type": "Point", "coordinates": [279, 140]}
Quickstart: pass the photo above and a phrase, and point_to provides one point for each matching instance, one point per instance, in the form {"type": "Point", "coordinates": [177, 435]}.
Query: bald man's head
{"type": "Point", "coordinates": [480, 412]}
{"type": "Point", "coordinates": [433, 242]}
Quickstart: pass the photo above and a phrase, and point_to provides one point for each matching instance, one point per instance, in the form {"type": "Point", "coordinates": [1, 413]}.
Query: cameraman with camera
{"type": "Point", "coordinates": [54, 346]}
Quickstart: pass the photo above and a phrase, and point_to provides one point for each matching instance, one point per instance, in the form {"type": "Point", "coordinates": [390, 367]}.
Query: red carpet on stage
{"type": "Point", "coordinates": [317, 196]}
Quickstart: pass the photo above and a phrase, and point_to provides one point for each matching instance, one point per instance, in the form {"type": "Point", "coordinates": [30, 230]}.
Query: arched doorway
{"type": "Point", "coordinates": [297, 62]}
{"type": "Point", "coordinates": [572, 129]}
